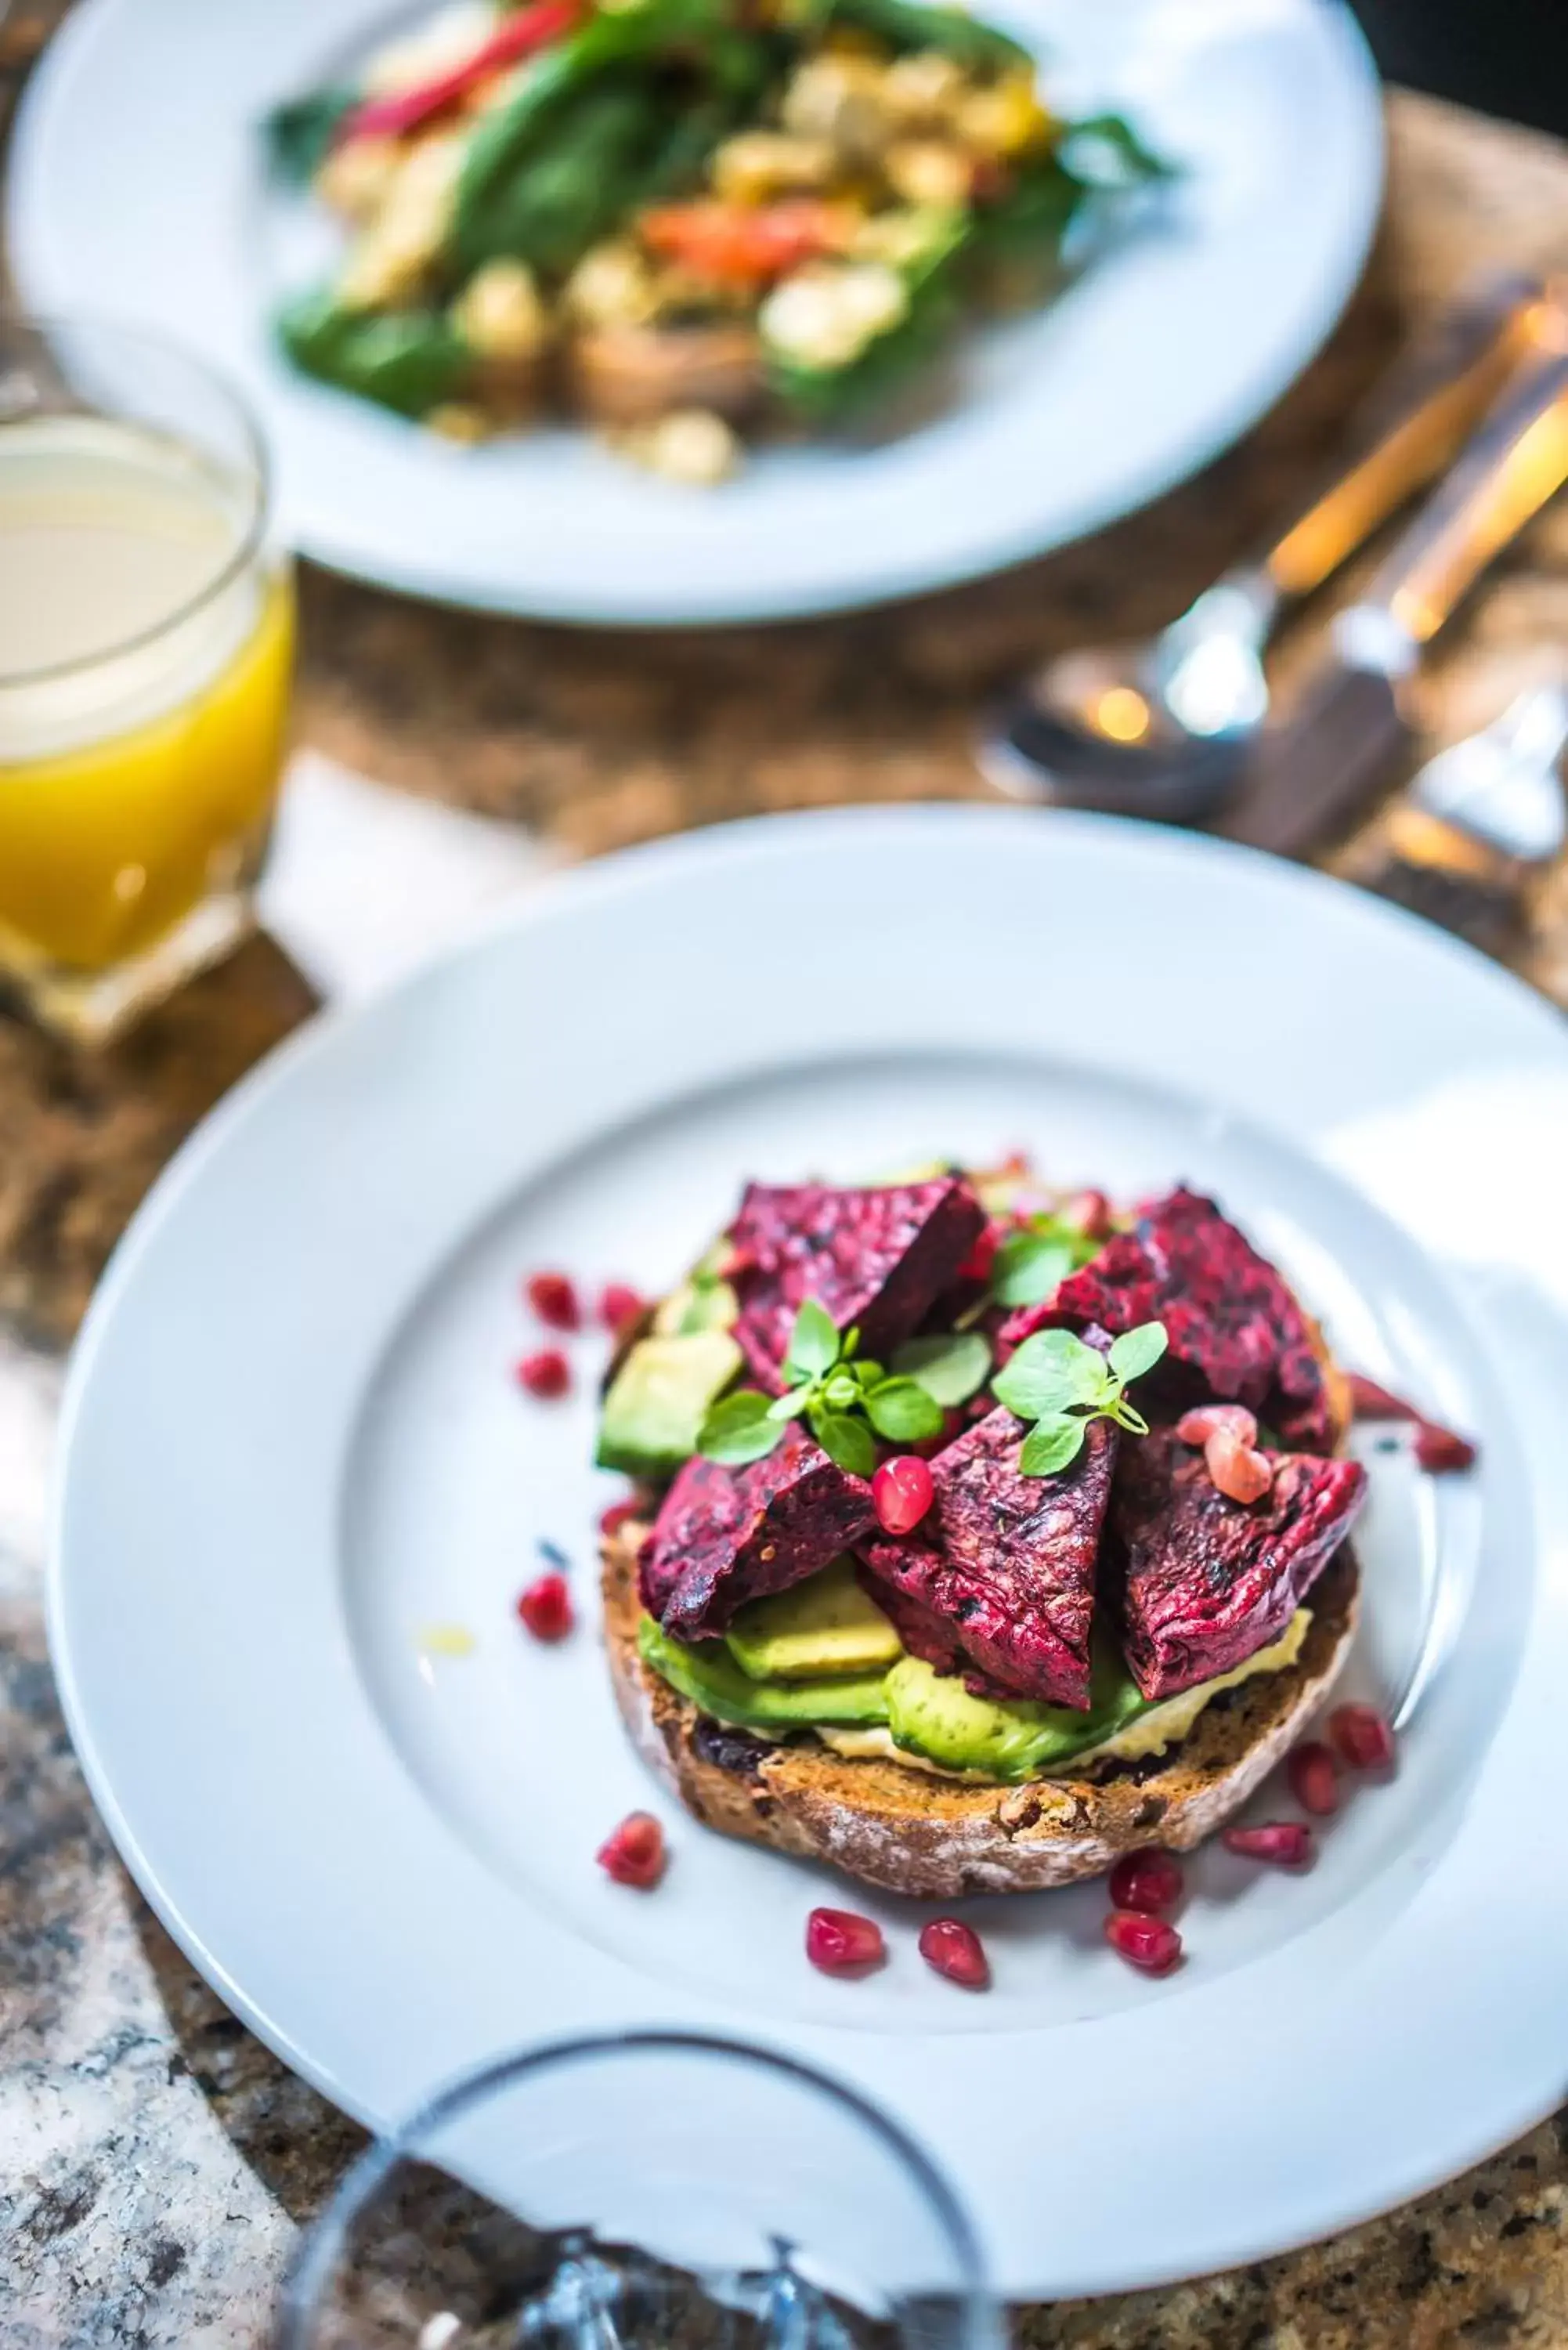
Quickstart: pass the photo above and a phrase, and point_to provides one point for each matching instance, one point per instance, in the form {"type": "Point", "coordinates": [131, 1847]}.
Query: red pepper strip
{"type": "Point", "coordinates": [737, 244]}
{"type": "Point", "coordinates": [393, 117]}
{"type": "Point", "coordinates": [1438, 1449]}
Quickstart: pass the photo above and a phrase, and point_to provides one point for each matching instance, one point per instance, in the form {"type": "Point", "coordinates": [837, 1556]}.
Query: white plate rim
{"type": "Point", "coordinates": [1423, 2160]}
{"type": "Point", "coordinates": [852, 570]}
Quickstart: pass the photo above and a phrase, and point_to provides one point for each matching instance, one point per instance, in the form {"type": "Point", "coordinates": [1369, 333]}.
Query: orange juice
{"type": "Point", "coordinates": [145, 647]}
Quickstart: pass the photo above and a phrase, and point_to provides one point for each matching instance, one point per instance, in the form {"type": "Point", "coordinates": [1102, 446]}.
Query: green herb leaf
{"type": "Point", "coordinates": [847, 1441]}
{"type": "Point", "coordinates": [841, 1389]}
{"type": "Point", "coordinates": [1051, 1372]}
{"type": "Point", "coordinates": [1137, 1351]}
{"type": "Point", "coordinates": [902, 1412]}
{"type": "Point", "coordinates": [1051, 1447]}
{"type": "Point", "coordinates": [1127, 1416]}
{"type": "Point", "coordinates": [740, 1428]}
{"type": "Point", "coordinates": [1027, 1268]}
{"type": "Point", "coordinates": [951, 1370]}
{"type": "Point", "coordinates": [814, 1346]}
{"type": "Point", "coordinates": [788, 1407]}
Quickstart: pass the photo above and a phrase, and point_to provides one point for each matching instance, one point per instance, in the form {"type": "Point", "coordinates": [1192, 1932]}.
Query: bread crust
{"type": "Point", "coordinates": [910, 1831]}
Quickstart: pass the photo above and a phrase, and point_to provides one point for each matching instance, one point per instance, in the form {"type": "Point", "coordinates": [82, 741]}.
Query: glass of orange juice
{"type": "Point", "coordinates": [146, 638]}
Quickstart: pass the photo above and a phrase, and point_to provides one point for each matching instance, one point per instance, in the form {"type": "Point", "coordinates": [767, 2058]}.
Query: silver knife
{"type": "Point", "coordinates": [1313, 774]}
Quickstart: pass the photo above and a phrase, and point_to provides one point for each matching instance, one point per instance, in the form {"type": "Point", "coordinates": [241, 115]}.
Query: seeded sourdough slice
{"type": "Point", "coordinates": [937, 1839]}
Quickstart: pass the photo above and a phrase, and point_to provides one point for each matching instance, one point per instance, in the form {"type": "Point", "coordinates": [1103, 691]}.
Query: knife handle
{"type": "Point", "coordinates": [1415, 425]}
{"type": "Point", "coordinates": [1517, 461]}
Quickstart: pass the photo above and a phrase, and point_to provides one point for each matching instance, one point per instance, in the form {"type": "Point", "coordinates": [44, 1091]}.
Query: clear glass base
{"type": "Point", "coordinates": [94, 1007]}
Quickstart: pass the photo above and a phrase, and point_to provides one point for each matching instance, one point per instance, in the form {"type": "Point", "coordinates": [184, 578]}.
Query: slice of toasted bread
{"type": "Point", "coordinates": [912, 1833]}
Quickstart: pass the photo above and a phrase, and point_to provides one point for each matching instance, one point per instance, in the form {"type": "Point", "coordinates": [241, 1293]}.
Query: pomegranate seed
{"type": "Point", "coordinates": [554, 1301]}
{"type": "Point", "coordinates": [545, 1607]}
{"type": "Point", "coordinates": [902, 1491]}
{"type": "Point", "coordinates": [1149, 1880]}
{"type": "Point", "coordinates": [1238, 1470]}
{"type": "Point", "coordinates": [634, 1853]}
{"type": "Point", "coordinates": [1090, 1211]}
{"type": "Point", "coordinates": [546, 1374]}
{"type": "Point", "coordinates": [1362, 1737]}
{"type": "Point", "coordinates": [977, 1264]}
{"type": "Point", "coordinates": [1442, 1450]}
{"type": "Point", "coordinates": [619, 1305]}
{"type": "Point", "coordinates": [841, 1942]}
{"type": "Point", "coordinates": [1198, 1427]}
{"type": "Point", "coordinates": [1314, 1775]}
{"type": "Point", "coordinates": [956, 1951]}
{"type": "Point", "coordinates": [612, 1520]}
{"type": "Point", "coordinates": [1147, 1943]}
{"type": "Point", "coordinates": [1286, 1843]}
{"type": "Point", "coordinates": [1370, 1401]}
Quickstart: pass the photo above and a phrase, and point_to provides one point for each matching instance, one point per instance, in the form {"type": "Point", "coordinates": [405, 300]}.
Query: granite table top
{"type": "Point", "coordinates": [155, 2160]}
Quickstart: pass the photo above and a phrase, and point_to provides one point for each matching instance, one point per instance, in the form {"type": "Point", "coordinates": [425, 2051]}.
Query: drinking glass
{"type": "Point", "coordinates": [146, 635]}
{"type": "Point", "coordinates": [658, 2189]}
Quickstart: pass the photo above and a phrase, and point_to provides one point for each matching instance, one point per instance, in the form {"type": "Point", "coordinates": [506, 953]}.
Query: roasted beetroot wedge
{"type": "Point", "coordinates": [874, 1260]}
{"type": "Point", "coordinates": [1233, 1326]}
{"type": "Point", "coordinates": [1007, 1561]}
{"type": "Point", "coordinates": [726, 1535]}
{"type": "Point", "coordinates": [1199, 1583]}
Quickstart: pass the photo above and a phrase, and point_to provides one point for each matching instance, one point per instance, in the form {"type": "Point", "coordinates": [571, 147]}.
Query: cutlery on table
{"type": "Point", "coordinates": [1309, 778]}
{"type": "Point", "coordinates": [1462, 845]}
{"type": "Point", "coordinates": [1161, 728]}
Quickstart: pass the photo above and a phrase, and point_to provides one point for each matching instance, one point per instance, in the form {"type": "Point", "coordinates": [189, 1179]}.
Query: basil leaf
{"type": "Point", "coordinates": [1028, 1268]}
{"type": "Point", "coordinates": [1127, 1416]}
{"type": "Point", "coordinates": [1051, 1372]}
{"type": "Point", "coordinates": [841, 1391]}
{"type": "Point", "coordinates": [951, 1370]}
{"type": "Point", "coordinates": [786, 1407]}
{"type": "Point", "coordinates": [813, 1345]}
{"type": "Point", "coordinates": [902, 1412]}
{"type": "Point", "coordinates": [1050, 1448]}
{"type": "Point", "coordinates": [1137, 1351]}
{"type": "Point", "coordinates": [847, 1441]}
{"type": "Point", "coordinates": [739, 1429]}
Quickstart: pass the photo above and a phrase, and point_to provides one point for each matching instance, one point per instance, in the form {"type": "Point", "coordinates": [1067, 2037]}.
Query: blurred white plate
{"type": "Point", "coordinates": [1162, 353]}
{"type": "Point", "coordinates": [293, 1445]}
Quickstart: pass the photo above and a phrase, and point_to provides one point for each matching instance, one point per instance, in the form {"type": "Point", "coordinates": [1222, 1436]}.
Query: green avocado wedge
{"type": "Point", "coordinates": [658, 1399]}
{"type": "Point", "coordinates": [709, 1675]}
{"type": "Point", "coordinates": [934, 1715]}
{"type": "Point", "coordinates": [824, 1629]}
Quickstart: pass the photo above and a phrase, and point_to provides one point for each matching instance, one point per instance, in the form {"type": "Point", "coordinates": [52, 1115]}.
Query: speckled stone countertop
{"type": "Point", "coordinates": [154, 2160]}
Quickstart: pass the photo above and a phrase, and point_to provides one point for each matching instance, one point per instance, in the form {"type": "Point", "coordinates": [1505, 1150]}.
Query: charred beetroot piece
{"type": "Point", "coordinates": [1230, 1319]}
{"type": "Point", "coordinates": [1201, 1583]}
{"type": "Point", "coordinates": [875, 1260]}
{"type": "Point", "coordinates": [726, 1535]}
{"type": "Point", "coordinates": [1008, 1562]}
{"type": "Point", "coordinates": [932, 1637]}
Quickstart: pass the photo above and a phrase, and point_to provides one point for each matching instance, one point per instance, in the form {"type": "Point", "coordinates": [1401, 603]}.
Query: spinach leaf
{"type": "Point", "coordinates": [407, 360]}
{"type": "Point", "coordinates": [297, 134]}
{"type": "Point", "coordinates": [906, 26]}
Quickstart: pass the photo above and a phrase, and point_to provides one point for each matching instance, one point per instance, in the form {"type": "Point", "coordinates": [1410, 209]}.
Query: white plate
{"type": "Point", "coordinates": [1161, 355]}
{"type": "Point", "coordinates": [292, 1444]}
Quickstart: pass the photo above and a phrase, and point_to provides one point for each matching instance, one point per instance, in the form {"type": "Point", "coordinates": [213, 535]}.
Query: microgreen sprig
{"type": "Point", "coordinates": [1030, 1262]}
{"type": "Point", "coordinates": [846, 1399]}
{"type": "Point", "coordinates": [1061, 1384]}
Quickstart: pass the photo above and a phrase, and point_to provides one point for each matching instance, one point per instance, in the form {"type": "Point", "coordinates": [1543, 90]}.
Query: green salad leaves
{"type": "Point", "coordinates": [1061, 1384]}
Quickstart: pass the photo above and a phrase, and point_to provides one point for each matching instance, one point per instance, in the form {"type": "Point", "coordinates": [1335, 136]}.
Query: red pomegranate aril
{"type": "Point", "coordinates": [1238, 1471]}
{"type": "Point", "coordinates": [956, 1951]}
{"type": "Point", "coordinates": [546, 1375]}
{"type": "Point", "coordinates": [634, 1853]}
{"type": "Point", "coordinates": [901, 1492]}
{"type": "Point", "coordinates": [1442, 1450]}
{"type": "Point", "coordinates": [554, 1301]}
{"type": "Point", "coordinates": [1369, 1401]}
{"type": "Point", "coordinates": [1285, 1844]}
{"type": "Point", "coordinates": [1362, 1738]}
{"type": "Point", "coordinates": [612, 1520]}
{"type": "Point", "coordinates": [1314, 1775]}
{"type": "Point", "coordinates": [1150, 1944]}
{"type": "Point", "coordinates": [841, 1942]}
{"type": "Point", "coordinates": [545, 1607]}
{"type": "Point", "coordinates": [1089, 1212]}
{"type": "Point", "coordinates": [619, 1305]}
{"type": "Point", "coordinates": [1148, 1881]}
{"type": "Point", "coordinates": [1198, 1426]}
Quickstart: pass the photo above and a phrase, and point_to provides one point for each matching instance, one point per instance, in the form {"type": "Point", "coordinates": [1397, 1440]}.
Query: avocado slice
{"type": "Point", "coordinates": [933, 1714]}
{"type": "Point", "coordinates": [818, 1630]}
{"type": "Point", "coordinates": [658, 1399]}
{"type": "Point", "coordinates": [708, 1674]}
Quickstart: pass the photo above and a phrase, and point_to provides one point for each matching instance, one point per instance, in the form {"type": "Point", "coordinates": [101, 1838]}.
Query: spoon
{"type": "Point", "coordinates": [1161, 728]}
